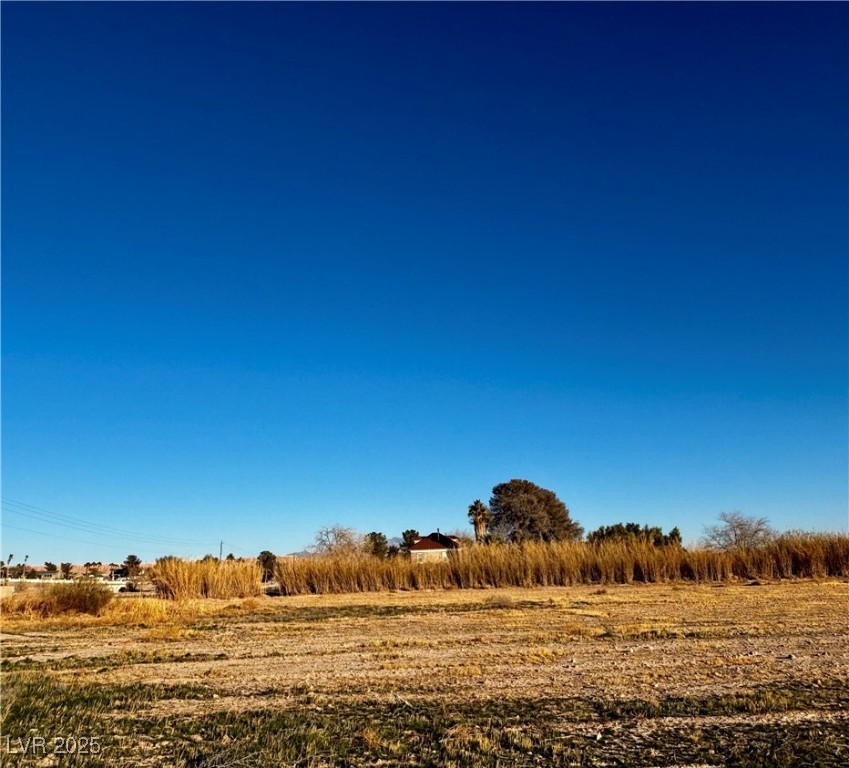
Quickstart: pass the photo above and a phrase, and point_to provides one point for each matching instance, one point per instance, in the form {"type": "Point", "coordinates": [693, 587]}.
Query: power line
{"type": "Point", "coordinates": [100, 527]}
{"type": "Point", "coordinates": [56, 536]}
{"type": "Point", "coordinates": [66, 521]}
{"type": "Point", "coordinates": [104, 534]}
{"type": "Point", "coordinates": [149, 552]}
{"type": "Point", "coordinates": [229, 545]}
{"type": "Point", "coordinates": [40, 514]}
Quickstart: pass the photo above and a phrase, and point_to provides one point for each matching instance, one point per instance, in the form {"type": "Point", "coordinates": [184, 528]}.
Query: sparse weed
{"type": "Point", "coordinates": [316, 731]}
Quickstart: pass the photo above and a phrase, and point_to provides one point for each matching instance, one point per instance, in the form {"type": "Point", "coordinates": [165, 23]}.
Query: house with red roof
{"type": "Point", "coordinates": [434, 547]}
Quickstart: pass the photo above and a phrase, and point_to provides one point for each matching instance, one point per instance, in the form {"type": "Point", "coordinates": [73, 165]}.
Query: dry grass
{"type": "Point", "coordinates": [84, 596]}
{"type": "Point", "coordinates": [33, 608]}
{"type": "Point", "coordinates": [639, 674]}
{"type": "Point", "coordinates": [183, 579]}
{"type": "Point", "coordinates": [568, 563]}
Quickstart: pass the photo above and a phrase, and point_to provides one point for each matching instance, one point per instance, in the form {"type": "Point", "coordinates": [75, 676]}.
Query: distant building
{"type": "Point", "coordinates": [433, 547]}
{"type": "Point", "coordinates": [46, 575]}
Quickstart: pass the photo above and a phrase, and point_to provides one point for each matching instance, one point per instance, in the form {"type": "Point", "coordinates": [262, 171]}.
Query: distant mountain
{"type": "Point", "coordinates": [302, 553]}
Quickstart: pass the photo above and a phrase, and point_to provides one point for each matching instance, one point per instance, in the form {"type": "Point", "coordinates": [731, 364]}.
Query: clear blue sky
{"type": "Point", "coordinates": [271, 267]}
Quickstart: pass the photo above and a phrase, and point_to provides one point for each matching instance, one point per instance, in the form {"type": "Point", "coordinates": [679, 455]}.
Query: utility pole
{"type": "Point", "coordinates": [220, 550]}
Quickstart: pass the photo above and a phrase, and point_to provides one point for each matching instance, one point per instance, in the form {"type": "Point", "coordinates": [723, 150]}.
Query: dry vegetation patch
{"type": "Point", "coordinates": [642, 675]}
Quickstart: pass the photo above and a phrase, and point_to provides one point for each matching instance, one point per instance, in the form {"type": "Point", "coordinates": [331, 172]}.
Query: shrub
{"type": "Point", "coordinates": [83, 596]}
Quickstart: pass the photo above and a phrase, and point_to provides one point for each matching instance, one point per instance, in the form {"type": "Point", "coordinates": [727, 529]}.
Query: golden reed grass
{"type": "Point", "coordinates": [183, 579]}
{"type": "Point", "coordinates": [568, 563]}
{"type": "Point", "coordinates": [511, 565]}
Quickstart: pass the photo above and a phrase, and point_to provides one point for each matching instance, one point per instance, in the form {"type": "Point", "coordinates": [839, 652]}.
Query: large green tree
{"type": "Point", "coordinates": [523, 511]}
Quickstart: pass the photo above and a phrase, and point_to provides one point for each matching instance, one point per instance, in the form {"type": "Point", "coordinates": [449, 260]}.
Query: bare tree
{"type": "Point", "coordinates": [736, 531]}
{"type": "Point", "coordinates": [463, 535]}
{"type": "Point", "coordinates": [338, 540]}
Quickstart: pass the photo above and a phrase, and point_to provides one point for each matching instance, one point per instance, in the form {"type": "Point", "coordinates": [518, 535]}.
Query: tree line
{"type": "Point", "coordinates": [518, 512]}
{"type": "Point", "coordinates": [131, 566]}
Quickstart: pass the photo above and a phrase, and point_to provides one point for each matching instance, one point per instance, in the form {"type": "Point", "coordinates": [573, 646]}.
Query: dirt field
{"type": "Point", "coordinates": [749, 675]}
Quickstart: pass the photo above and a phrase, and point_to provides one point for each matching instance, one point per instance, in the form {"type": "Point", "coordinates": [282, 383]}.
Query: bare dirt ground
{"type": "Point", "coordinates": [621, 675]}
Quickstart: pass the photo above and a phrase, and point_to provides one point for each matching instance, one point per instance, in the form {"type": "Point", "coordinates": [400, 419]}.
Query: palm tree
{"type": "Point", "coordinates": [480, 516]}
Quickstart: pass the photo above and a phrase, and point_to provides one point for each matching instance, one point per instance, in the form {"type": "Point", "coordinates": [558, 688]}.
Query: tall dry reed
{"type": "Point", "coordinates": [567, 563]}
{"type": "Point", "coordinates": [183, 579]}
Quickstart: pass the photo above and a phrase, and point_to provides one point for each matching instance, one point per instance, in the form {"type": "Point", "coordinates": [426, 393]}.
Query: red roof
{"type": "Point", "coordinates": [435, 541]}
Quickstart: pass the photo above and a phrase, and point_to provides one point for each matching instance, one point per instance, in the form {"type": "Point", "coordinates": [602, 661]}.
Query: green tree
{"type": "Point", "coordinates": [267, 561]}
{"type": "Point", "coordinates": [66, 570]}
{"type": "Point", "coordinates": [523, 511]}
{"type": "Point", "coordinates": [480, 517]}
{"type": "Point", "coordinates": [408, 538]}
{"type": "Point", "coordinates": [377, 544]}
{"type": "Point", "coordinates": [50, 567]}
{"type": "Point", "coordinates": [635, 532]}
{"type": "Point", "coordinates": [133, 566]}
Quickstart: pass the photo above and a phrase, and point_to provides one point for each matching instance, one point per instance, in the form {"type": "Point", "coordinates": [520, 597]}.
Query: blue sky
{"type": "Point", "coordinates": [271, 267]}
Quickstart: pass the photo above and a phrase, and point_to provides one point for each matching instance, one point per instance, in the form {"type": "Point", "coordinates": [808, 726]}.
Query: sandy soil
{"type": "Point", "coordinates": [622, 642]}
